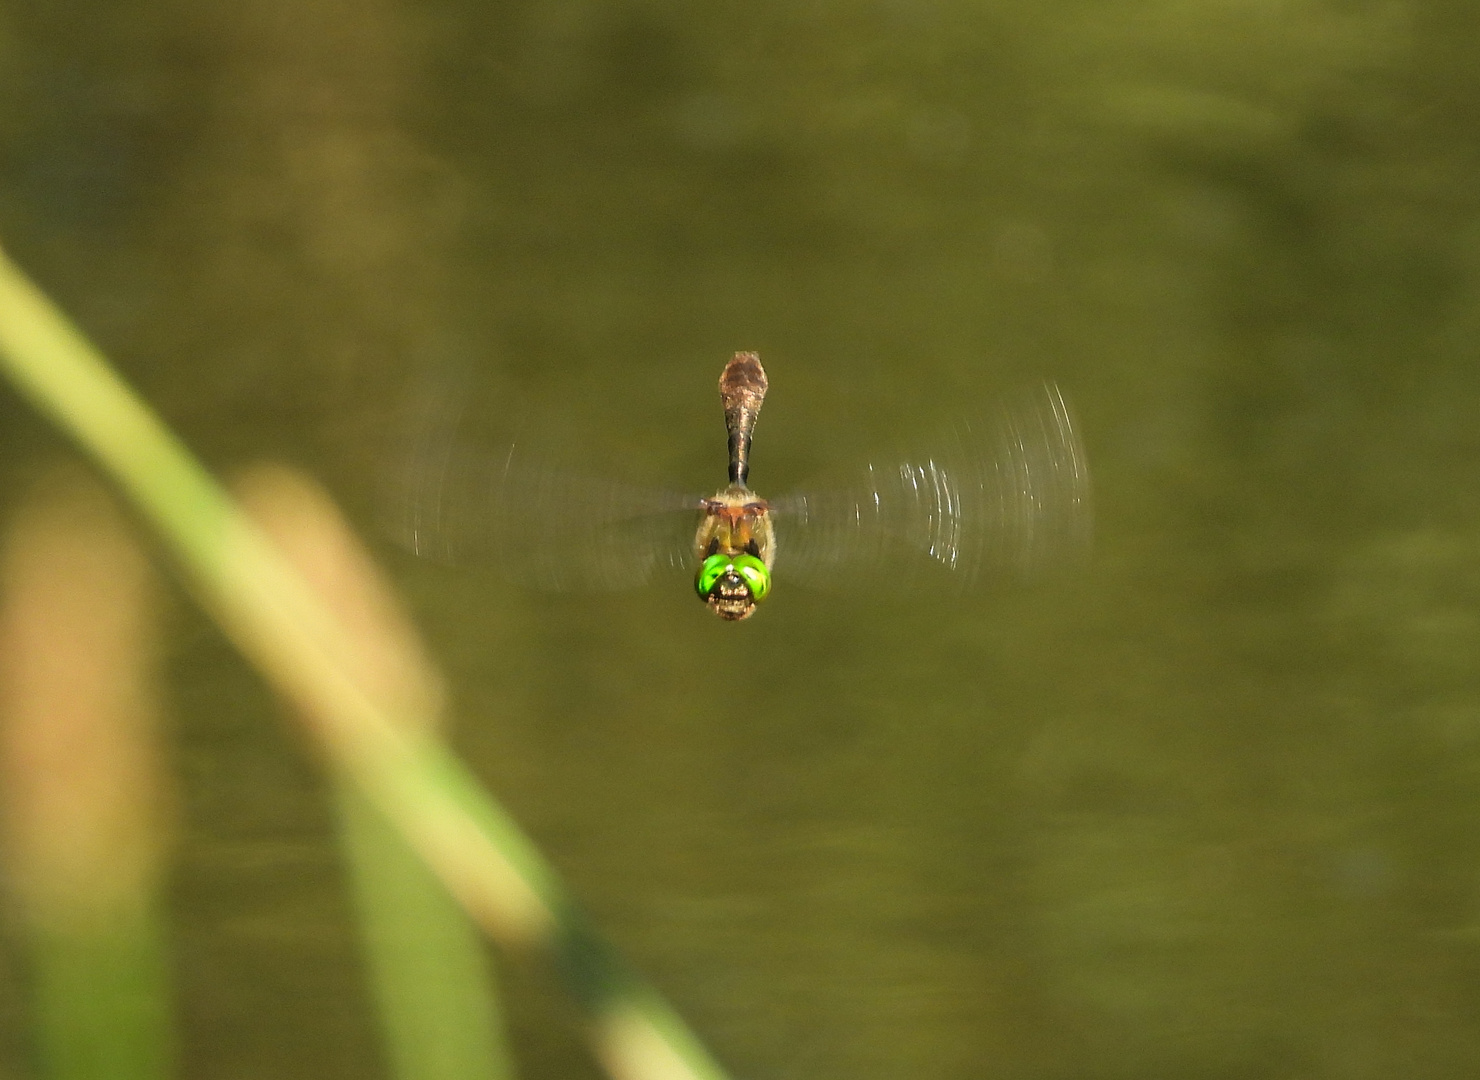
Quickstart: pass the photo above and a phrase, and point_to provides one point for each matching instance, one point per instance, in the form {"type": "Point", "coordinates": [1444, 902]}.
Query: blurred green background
{"type": "Point", "coordinates": [1206, 807]}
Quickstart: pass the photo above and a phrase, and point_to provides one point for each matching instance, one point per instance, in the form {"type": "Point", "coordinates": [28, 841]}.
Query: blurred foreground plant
{"type": "Point", "coordinates": [82, 783]}
{"type": "Point", "coordinates": [426, 964]}
{"type": "Point", "coordinates": [383, 741]}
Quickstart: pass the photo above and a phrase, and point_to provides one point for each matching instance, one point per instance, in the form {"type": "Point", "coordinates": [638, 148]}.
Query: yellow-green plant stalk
{"type": "Point", "coordinates": [276, 620]}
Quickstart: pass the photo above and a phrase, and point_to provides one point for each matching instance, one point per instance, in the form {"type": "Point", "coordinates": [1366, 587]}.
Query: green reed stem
{"type": "Point", "coordinates": [102, 1001]}
{"type": "Point", "coordinates": [461, 833]}
{"type": "Point", "coordinates": [427, 967]}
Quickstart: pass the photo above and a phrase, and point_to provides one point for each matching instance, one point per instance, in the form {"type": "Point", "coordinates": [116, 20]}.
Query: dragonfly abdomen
{"type": "Point", "coordinates": [742, 388]}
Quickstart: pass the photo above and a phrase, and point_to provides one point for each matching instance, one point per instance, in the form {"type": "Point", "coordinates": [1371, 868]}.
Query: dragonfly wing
{"type": "Point", "coordinates": [540, 525]}
{"type": "Point", "coordinates": [1005, 494]}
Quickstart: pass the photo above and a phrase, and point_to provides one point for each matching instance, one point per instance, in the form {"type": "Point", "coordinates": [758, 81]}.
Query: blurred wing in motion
{"type": "Point", "coordinates": [537, 524]}
{"type": "Point", "coordinates": [1005, 495]}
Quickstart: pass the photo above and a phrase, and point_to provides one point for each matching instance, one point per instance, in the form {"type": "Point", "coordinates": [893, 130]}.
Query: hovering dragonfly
{"type": "Point", "coordinates": [1003, 495]}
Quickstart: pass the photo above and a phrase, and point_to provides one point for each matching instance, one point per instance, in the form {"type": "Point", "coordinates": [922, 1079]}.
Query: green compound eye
{"type": "Point", "coordinates": [754, 573]}
{"type": "Point", "coordinates": [710, 571]}
{"type": "Point", "coordinates": [748, 568]}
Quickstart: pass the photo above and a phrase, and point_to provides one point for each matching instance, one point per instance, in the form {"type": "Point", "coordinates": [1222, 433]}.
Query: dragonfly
{"type": "Point", "coordinates": [1004, 494]}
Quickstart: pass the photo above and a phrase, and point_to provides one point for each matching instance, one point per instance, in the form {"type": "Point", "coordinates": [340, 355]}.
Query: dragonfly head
{"type": "Point", "coordinates": [732, 585]}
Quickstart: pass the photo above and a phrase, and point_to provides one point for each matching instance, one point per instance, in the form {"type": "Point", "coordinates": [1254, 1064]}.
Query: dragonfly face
{"type": "Point", "coordinates": [735, 547]}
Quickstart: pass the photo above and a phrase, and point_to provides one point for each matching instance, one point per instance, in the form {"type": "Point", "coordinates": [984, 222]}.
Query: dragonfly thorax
{"type": "Point", "coordinates": [735, 547]}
